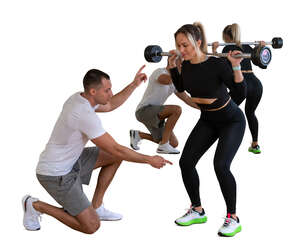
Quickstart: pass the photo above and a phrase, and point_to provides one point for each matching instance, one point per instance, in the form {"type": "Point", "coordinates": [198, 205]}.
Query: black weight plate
{"type": "Point", "coordinates": [277, 42]}
{"type": "Point", "coordinates": [152, 53]}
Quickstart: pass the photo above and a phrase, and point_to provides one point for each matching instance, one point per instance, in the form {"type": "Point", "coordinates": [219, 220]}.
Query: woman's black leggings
{"type": "Point", "coordinates": [253, 96]}
{"type": "Point", "coordinates": [254, 93]}
{"type": "Point", "coordinates": [227, 125]}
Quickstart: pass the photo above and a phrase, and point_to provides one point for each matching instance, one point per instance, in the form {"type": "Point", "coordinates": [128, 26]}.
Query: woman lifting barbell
{"type": "Point", "coordinates": [232, 34]}
{"type": "Point", "coordinates": [206, 79]}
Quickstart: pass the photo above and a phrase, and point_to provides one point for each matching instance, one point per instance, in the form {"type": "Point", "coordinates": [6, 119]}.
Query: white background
{"type": "Point", "coordinates": [47, 47]}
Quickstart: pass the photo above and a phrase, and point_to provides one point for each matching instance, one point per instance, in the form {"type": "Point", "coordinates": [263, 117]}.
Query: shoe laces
{"type": "Point", "coordinates": [105, 211]}
{"type": "Point", "coordinates": [228, 221]}
{"type": "Point", "coordinates": [189, 211]}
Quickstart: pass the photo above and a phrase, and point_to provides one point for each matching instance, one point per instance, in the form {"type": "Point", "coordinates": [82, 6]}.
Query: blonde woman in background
{"type": "Point", "coordinates": [232, 34]}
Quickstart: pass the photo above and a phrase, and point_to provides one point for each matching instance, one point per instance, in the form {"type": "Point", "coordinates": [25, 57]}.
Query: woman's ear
{"type": "Point", "coordinates": [199, 43]}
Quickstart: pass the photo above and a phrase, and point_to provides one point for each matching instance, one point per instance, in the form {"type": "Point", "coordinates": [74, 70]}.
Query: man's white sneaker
{"type": "Point", "coordinates": [105, 214]}
{"type": "Point", "coordinates": [167, 149]}
{"type": "Point", "coordinates": [134, 139]}
{"type": "Point", "coordinates": [230, 227]}
{"type": "Point", "coordinates": [192, 217]}
{"type": "Point", "coordinates": [31, 216]}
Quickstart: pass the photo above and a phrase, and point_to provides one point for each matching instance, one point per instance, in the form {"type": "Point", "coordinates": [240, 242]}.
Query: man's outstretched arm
{"type": "Point", "coordinates": [119, 98]}
{"type": "Point", "coordinates": [107, 143]}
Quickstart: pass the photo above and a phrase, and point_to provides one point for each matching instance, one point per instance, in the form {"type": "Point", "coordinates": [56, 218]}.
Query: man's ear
{"type": "Point", "coordinates": [92, 91]}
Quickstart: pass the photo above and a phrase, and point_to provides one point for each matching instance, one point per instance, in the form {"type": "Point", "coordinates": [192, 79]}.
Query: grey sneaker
{"type": "Point", "coordinates": [31, 216]}
{"type": "Point", "coordinates": [134, 139]}
{"type": "Point", "coordinates": [166, 149]}
{"type": "Point", "coordinates": [105, 214]}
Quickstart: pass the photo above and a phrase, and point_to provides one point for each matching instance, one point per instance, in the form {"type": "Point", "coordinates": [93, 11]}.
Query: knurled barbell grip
{"type": "Point", "coordinates": [165, 54]}
{"type": "Point", "coordinates": [277, 42]}
{"type": "Point", "coordinates": [243, 43]}
{"type": "Point", "coordinates": [234, 56]}
{"type": "Point", "coordinates": [217, 54]}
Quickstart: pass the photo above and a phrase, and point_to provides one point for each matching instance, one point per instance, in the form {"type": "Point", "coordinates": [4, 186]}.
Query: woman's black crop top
{"type": "Point", "coordinates": [209, 79]}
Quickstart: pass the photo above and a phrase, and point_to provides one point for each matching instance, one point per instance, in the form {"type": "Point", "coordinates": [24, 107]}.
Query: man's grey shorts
{"type": "Point", "coordinates": [67, 189]}
{"type": "Point", "coordinates": [148, 115]}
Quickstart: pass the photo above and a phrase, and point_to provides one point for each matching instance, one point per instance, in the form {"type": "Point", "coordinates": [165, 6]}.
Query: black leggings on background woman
{"type": "Point", "coordinates": [232, 34]}
{"type": "Point", "coordinates": [253, 96]}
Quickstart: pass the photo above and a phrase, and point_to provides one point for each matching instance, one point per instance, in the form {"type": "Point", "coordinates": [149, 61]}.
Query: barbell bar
{"type": "Point", "coordinates": [260, 56]}
{"type": "Point", "coordinates": [277, 42]}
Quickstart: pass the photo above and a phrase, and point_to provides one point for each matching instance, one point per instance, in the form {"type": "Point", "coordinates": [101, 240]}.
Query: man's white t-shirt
{"type": "Point", "coordinates": [76, 125]}
{"type": "Point", "coordinates": [156, 93]}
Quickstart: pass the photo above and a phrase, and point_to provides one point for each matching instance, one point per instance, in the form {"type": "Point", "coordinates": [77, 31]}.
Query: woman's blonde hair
{"type": "Point", "coordinates": [233, 32]}
{"type": "Point", "coordinates": [194, 32]}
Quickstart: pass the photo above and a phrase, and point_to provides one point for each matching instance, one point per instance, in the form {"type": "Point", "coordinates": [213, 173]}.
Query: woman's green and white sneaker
{"type": "Point", "coordinates": [255, 150]}
{"type": "Point", "coordinates": [230, 227]}
{"type": "Point", "coordinates": [192, 217]}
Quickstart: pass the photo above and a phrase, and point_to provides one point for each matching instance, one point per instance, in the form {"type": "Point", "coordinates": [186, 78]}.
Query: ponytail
{"type": "Point", "coordinates": [236, 33]}
{"type": "Point", "coordinates": [203, 45]}
{"type": "Point", "coordinates": [233, 32]}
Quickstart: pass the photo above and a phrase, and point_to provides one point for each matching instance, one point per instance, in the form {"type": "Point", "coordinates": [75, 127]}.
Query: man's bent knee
{"type": "Point", "coordinates": [89, 220]}
{"type": "Point", "coordinates": [91, 227]}
{"type": "Point", "coordinates": [177, 110]}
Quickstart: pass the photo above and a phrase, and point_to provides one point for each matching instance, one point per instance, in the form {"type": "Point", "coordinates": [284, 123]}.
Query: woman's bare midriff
{"type": "Point", "coordinates": [205, 101]}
